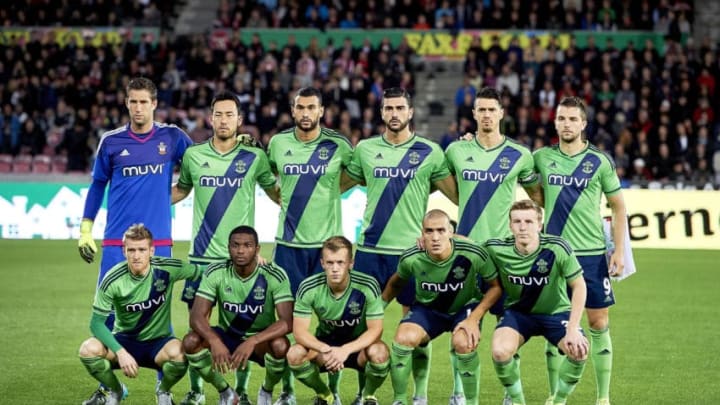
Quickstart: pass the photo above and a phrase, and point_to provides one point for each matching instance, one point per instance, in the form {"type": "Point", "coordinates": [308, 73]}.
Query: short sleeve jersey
{"type": "Point", "coordinates": [398, 179]}
{"type": "Point", "coordinates": [448, 285]}
{"type": "Point", "coordinates": [573, 186]}
{"type": "Point", "coordinates": [142, 304]}
{"type": "Point", "coordinates": [486, 181]}
{"type": "Point", "coordinates": [139, 169]}
{"type": "Point", "coordinates": [309, 175]}
{"type": "Point", "coordinates": [343, 318]}
{"type": "Point", "coordinates": [246, 306]}
{"type": "Point", "coordinates": [224, 196]}
{"type": "Point", "coordinates": [535, 283]}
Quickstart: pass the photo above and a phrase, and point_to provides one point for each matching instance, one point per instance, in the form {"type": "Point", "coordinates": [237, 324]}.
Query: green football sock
{"type": "Point", "coordinates": [468, 366]}
{"type": "Point", "coordinates": [553, 360]}
{"type": "Point", "coordinates": [173, 371]}
{"type": "Point", "coordinates": [288, 381]}
{"type": "Point", "coordinates": [509, 375]}
{"type": "Point", "coordinates": [309, 374]}
{"type": "Point", "coordinates": [361, 380]}
{"type": "Point", "coordinates": [274, 369]}
{"type": "Point", "coordinates": [401, 358]}
{"type": "Point", "coordinates": [101, 369]}
{"type": "Point", "coordinates": [375, 374]}
{"type": "Point", "coordinates": [601, 354]}
{"type": "Point", "coordinates": [421, 369]}
{"type": "Point", "coordinates": [457, 384]}
{"type": "Point", "coordinates": [334, 381]}
{"type": "Point", "coordinates": [570, 373]}
{"type": "Point", "coordinates": [202, 363]}
{"type": "Point", "coordinates": [242, 378]}
{"type": "Point", "coordinates": [196, 381]}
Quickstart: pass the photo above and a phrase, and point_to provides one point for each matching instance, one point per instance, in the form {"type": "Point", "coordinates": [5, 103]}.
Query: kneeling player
{"type": "Point", "coordinates": [247, 296]}
{"type": "Point", "coordinates": [140, 291]}
{"type": "Point", "coordinates": [535, 270]}
{"type": "Point", "coordinates": [446, 299]}
{"type": "Point", "coordinates": [350, 312]}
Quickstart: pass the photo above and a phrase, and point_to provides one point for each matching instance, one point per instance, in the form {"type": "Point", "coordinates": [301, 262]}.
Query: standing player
{"type": "Point", "coordinates": [487, 170]}
{"type": "Point", "coordinates": [536, 270]}
{"type": "Point", "coordinates": [350, 322]}
{"type": "Point", "coordinates": [575, 174]}
{"type": "Point", "coordinates": [223, 173]}
{"type": "Point", "coordinates": [137, 161]}
{"type": "Point", "coordinates": [446, 299]}
{"type": "Point", "coordinates": [247, 296]}
{"type": "Point", "coordinates": [399, 169]}
{"type": "Point", "coordinates": [308, 160]}
{"type": "Point", "coordinates": [140, 291]}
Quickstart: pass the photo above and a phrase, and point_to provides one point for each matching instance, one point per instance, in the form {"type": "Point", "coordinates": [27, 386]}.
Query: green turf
{"type": "Point", "coordinates": [665, 334]}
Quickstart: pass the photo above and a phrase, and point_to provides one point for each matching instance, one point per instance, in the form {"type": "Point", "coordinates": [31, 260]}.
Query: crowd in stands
{"type": "Point", "coordinates": [655, 112]}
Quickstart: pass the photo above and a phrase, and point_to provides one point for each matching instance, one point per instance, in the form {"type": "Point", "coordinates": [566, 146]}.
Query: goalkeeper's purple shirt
{"type": "Point", "coordinates": [139, 168]}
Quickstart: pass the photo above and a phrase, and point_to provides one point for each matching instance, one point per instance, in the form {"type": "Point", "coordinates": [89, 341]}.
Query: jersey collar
{"type": "Point", "coordinates": [410, 139]}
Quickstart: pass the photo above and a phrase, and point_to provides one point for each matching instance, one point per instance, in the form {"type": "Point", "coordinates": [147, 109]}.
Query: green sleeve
{"type": "Point", "coordinates": [271, 161]}
{"type": "Point", "coordinates": [190, 271]}
{"type": "Point", "coordinates": [185, 180]}
{"type": "Point", "coordinates": [449, 159]}
{"type": "Point", "coordinates": [440, 171]}
{"type": "Point", "coordinates": [375, 309]}
{"type": "Point", "coordinates": [354, 169]}
{"type": "Point", "coordinates": [265, 177]}
{"type": "Point", "coordinates": [404, 269]}
{"type": "Point", "coordinates": [303, 304]}
{"type": "Point", "coordinates": [282, 292]}
{"type": "Point", "coordinates": [207, 287]}
{"type": "Point", "coordinates": [527, 176]}
{"type": "Point", "coordinates": [102, 333]}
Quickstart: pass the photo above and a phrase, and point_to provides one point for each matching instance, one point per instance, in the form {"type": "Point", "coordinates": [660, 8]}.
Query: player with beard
{"type": "Point", "coordinates": [309, 160]}
{"type": "Point", "coordinates": [575, 174]}
{"type": "Point", "coordinates": [399, 169]}
{"type": "Point", "coordinates": [223, 173]}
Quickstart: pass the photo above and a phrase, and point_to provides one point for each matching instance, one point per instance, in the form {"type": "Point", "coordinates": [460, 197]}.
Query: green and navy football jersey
{"type": "Point", "coordinates": [536, 283]}
{"type": "Point", "coordinates": [573, 186]}
{"type": "Point", "coordinates": [342, 318]}
{"type": "Point", "coordinates": [309, 175]}
{"type": "Point", "coordinates": [224, 195]}
{"type": "Point", "coordinates": [398, 179]}
{"type": "Point", "coordinates": [246, 306]}
{"type": "Point", "coordinates": [486, 180]}
{"type": "Point", "coordinates": [142, 304]}
{"type": "Point", "coordinates": [449, 285]}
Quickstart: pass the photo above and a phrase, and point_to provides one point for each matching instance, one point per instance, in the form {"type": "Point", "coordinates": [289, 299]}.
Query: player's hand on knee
{"type": "Point", "coordinates": [242, 354]}
{"type": "Point", "coordinates": [576, 344]}
{"type": "Point", "coordinates": [86, 243]}
{"type": "Point", "coordinates": [127, 363]}
{"type": "Point", "coordinates": [471, 331]}
{"type": "Point", "coordinates": [221, 358]}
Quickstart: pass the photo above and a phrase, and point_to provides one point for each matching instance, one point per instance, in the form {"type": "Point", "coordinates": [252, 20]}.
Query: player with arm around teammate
{"type": "Point", "coordinates": [536, 271]}
{"type": "Point", "coordinates": [140, 290]}
{"type": "Point", "coordinates": [247, 296]}
{"type": "Point", "coordinates": [446, 275]}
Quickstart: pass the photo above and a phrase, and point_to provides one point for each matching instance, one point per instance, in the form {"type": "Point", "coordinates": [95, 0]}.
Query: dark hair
{"type": "Point", "coordinates": [335, 243]}
{"type": "Point", "coordinates": [490, 93]}
{"type": "Point", "coordinates": [577, 102]}
{"type": "Point", "coordinates": [309, 92]}
{"type": "Point", "coordinates": [244, 229]}
{"type": "Point", "coordinates": [394, 92]}
{"type": "Point", "coordinates": [226, 95]}
{"type": "Point", "coordinates": [142, 83]}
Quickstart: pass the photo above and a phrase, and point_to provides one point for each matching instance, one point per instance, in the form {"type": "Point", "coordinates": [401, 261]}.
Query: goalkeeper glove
{"type": "Point", "coordinates": [247, 140]}
{"type": "Point", "coordinates": [86, 244]}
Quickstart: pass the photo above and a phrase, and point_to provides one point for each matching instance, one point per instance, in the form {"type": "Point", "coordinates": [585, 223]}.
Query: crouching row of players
{"type": "Point", "coordinates": [255, 313]}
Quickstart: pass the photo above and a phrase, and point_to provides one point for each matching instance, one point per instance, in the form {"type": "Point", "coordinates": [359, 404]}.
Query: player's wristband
{"type": "Point", "coordinates": [86, 226]}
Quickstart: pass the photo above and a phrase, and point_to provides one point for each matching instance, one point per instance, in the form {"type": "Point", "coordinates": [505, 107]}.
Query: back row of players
{"type": "Point", "coordinates": [314, 166]}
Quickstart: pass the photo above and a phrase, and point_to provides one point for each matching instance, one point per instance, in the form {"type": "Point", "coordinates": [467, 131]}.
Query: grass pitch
{"type": "Point", "coordinates": [664, 329]}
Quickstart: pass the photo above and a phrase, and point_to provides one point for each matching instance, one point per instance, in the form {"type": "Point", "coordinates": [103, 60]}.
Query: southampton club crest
{"type": "Point", "coordinates": [458, 273]}
{"type": "Point", "coordinates": [160, 285]}
{"type": "Point", "coordinates": [504, 163]}
{"type": "Point", "coordinates": [162, 148]}
{"type": "Point", "coordinates": [240, 167]}
{"type": "Point", "coordinates": [542, 266]}
{"type": "Point", "coordinates": [354, 308]}
{"type": "Point", "coordinates": [414, 158]}
{"type": "Point", "coordinates": [259, 293]}
{"type": "Point", "coordinates": [323, 153]}
{"type": "Point", "coordinates": [587, 167]}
